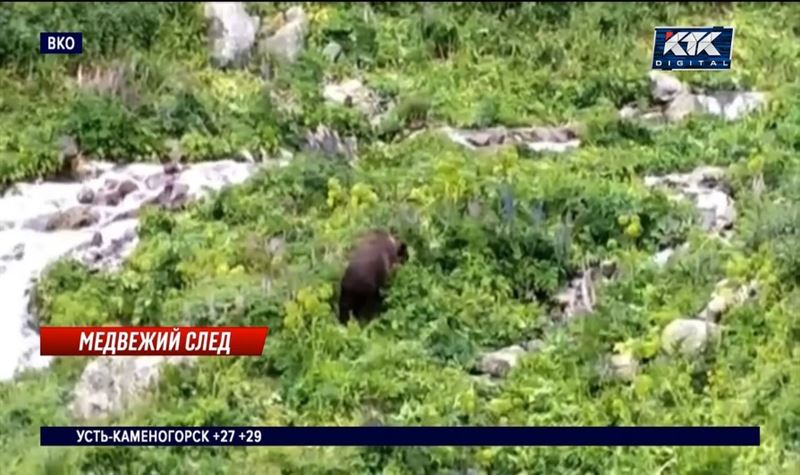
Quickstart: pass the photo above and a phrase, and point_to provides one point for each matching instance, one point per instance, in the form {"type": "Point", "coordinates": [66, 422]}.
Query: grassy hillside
{"type": "Point", "coordinates": [462, 293]}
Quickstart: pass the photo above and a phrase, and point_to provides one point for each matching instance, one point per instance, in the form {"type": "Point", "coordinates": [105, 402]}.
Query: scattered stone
{"type": "Point", "coordinates": [353, 93]}
{"type": "Point", "coordinates": [288, 42]}
{"type": "Point", "coordinates": [662, 257]}
{"type": "Point", "coordinates": [86, 196]}
{"type": "Point", "coordinates": [730, 105]}
{"type": "Point", "coordinates": [285, 154]}
{"type": "Point", "coordinates": [664, 87]}
{"type": "Point", "coordinates": [622, 366]}
{"type": "Point", "coordinates": [328, 143]}
{"type": "Point", "coordinates": [127, 187]}
{"type": "Point", "coordinates": [245, 156]}
{"type": "Point", "coordinates": [110, 385]}
{"type": "Point", "coordinates": [172, 168]}
{"type": "Point", "coordinates": [532, 346]}
{"type": "Point", "coordinates": [674, 101]}
{"type": "Point", "coordinates": [724, 298]}
{"type": "Point", "coordinates": [175, 151]}
{"type": "Point", "coordinates": [73, 218]}
{"type": "Point", "coordinates": [579, 296]}
{"type": "Point", "coordinates": [155, 181]}
{"type": "Point", "coordinates": [608, 268]}
{"type": "Point", "coordinates": [536, 139]}
{"type": "Point", "coordinates": [109, 198]}
{"type": "Point", "coordinates": [498, 363]}
{"type": "Point", "coordinates": [688, 337]}
{"type": "Point", "coordinates": [68, 147]}
{"type": "Point", "coordinates": [232, 33]}
{"type": "Point", "coordinates": [16, 253]}
{"type": "Point", "coordinates": [97, 239]}
{"type": "Point", "coordinates": [704, 186]}
{"type": "Point", "coordinates": [332, 51]}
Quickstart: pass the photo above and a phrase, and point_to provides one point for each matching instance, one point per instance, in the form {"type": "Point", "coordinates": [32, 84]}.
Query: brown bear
{"type": "Point", "coordinates": [367, 274]}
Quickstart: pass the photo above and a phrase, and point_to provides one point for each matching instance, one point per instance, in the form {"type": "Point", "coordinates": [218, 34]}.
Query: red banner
{"type": "Point", "coordinates": [153, 341]}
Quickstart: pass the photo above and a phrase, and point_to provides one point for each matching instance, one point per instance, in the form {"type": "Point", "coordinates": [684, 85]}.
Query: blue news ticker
{"type": "Point", "coordinates": [400, 436]}
{"type": "Point", "coordinates": [60, 43]}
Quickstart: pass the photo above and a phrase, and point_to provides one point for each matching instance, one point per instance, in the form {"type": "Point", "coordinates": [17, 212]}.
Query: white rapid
{"type": "Point", "coordinates": [95, 221]}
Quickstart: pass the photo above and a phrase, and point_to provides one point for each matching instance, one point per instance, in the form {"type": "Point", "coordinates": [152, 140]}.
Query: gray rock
{"type": "Point", "coordinates": [174, 150]}
{"type": "Point", "coordinates": [352, 93]}
{"type": "Point", "coordinates": [232, 33]}
{"type": "Point", "coordinates": [717, 209]}
{"type": "Point", "coordinates": [97, 239]}
{"type": "Point", "coordinates": [704, 186]}
{"type": "Point", "coordinates": [172, 168]}
{"type": "Point", "coordinates": [688, 337]}
{"type": "Point", "coordinates": [329, 143]}
{"type": "Point", "coordinates": [245, 156]}
{"type": "Point", "coordinates": [680, 107]}
{"type": "Point", "coordinates": [108, 198]}
{"type": "Point", "coordinates": [623, 366]}
{"type": "Point", "coordinates": [127, 187]}
{"type": "Point", "coordinates": [499, 363]}
{"type": "Point", "coordinates": [532, 346]}
{"type": "Point", "coordinates": [86, 196]}
{"type": "Point", "coordinates": [68, 147]}
{"type": "Point", "coordinates": [17, 253]}
{"type": "Point", "coordinates": [155, 181]}
{"type": "Point", "coordinates": [73, 218]}
{"type": "Point", "coordinates": [665, 87]}
{"type": "Point", "coordinates": [288, 43]}
{"type": "Point", "coordinates": [662, 257]}
{"type": "Point", "coordinates": [608, 268]}
{"type": "Point", "coordinates": [110, 385]}
{"type": "Point", "coordinates": [332, 51]}
{"type": "Point", "coordinates": [730, 105]}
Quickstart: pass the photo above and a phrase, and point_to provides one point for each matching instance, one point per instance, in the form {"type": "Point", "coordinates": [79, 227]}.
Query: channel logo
{"type": "Point", "coordinates": [60, 43]}
{"type": "Point", "coordinates": [693, 48]}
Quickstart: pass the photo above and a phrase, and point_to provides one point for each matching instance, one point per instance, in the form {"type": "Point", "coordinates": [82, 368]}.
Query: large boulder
{"type": "Point", "coordinates": [288, 41]}
{"type": "Point", "coordinates": [688, 337]}
{"type": "Point", "coordinates": [232, 33]}
{"type": "Point", "coordinates": [110, 385]}
{"type": "Point", "coordinates": [498, 363]}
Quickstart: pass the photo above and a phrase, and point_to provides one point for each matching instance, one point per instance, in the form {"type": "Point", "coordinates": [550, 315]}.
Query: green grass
{"type": "Point", "coordinates": [461, 293]}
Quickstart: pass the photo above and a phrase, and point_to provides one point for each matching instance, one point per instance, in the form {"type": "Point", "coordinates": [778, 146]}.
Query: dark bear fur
{"type": "Point", "coordinates": [367, 274]}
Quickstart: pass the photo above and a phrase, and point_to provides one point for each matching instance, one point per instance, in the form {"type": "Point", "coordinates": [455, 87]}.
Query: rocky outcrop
{"type": "Point", "coordinates": [578, 297]}
{"type": "Point", "coordinates": [497, 364]}
{"type": "Point", "coordinates": [353, 93]}
{"type": "Point", "coordinates": [688, 336]}
{"type": "Point", "coordinates": [536, 139]}
{"type": "Point", "coordinates": [725, 297]}
{"type": "Point", "coordinates": [619, 366]}
{"type": "Point", "coordinates": [231, 32]}
{"type": "Point", "coordinates": [673, 101]}
{"type": "Point", "coordinates": [707, 189]}
{"type": "Point", "coordinates": [328, 143]}
{"type": "Point", "coordinates": [287, 42]}
{"type": "Point", "coordinates": [110, 385]}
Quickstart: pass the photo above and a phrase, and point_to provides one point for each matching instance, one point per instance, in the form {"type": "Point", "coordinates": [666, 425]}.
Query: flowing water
{"type": "Point", "coordinates": [31, 237]}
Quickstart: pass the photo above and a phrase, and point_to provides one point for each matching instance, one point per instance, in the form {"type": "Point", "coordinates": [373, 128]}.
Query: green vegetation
{"type": "Point", "coordinates": [464, 290]}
